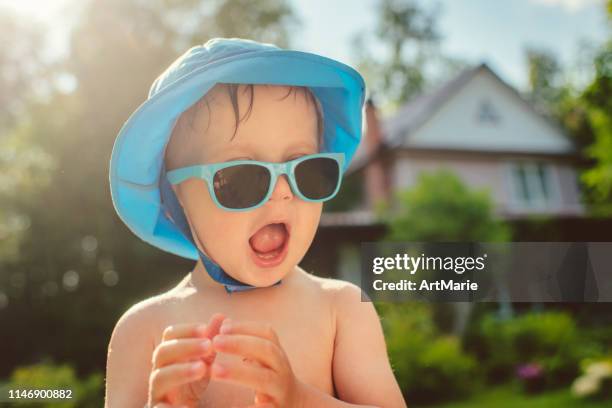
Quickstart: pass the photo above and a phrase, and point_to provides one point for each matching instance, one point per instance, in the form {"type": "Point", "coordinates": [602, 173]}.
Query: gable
{"type": "Point", "coordinates": [486, 115]}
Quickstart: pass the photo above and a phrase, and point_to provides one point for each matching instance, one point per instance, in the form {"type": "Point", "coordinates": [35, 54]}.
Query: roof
{"type": "Point", "coordinates": [412, 115]}
{"type": "Point", "coordinates": [416, 111]}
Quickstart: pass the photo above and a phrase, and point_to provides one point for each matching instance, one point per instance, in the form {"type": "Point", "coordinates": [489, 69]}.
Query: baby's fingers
{"type": "Point", "coordinates": [258, 378]}
{"type": "Point", "coordinates": [179, 350]}
{"type": "Point", "coordinates": [164, 379]}
{"type": "Point", "coordinates": [251, 328]}
{"type": "Point", "coordinates": [250, 347]}
{"type": "Point", "coordinates": [184, 330]}
{"type": "Point", "coordinates": [214, 324]}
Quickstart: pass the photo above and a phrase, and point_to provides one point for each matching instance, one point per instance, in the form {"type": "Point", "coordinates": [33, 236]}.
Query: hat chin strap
{"type": "Point", "coordinates": [171, 203]}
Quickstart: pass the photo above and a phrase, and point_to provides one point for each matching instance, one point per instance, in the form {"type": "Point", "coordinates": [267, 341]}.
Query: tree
{"type": "Point", "coordinates": [598, 97]}
{"type": "Point", "coordinates": [544, 78]}
{"type": "Point", "coordinates": [441, 208]}
{"type": "Point", "coordinates": [265, 20]}
{"type": "Point", "coordinates": [409, 36]}
{"type": "Point", "coordinates": [585, 112]}
{"type": "Point", "coordinates": [23, 167]}
{"type": "Point", "coordinates": [20, 65]}
{"type": "Point", "coordinates": [75, 246]}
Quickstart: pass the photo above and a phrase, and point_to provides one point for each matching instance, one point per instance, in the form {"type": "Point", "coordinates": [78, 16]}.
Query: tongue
{"type": "Point", "coordinates": [268, 238]}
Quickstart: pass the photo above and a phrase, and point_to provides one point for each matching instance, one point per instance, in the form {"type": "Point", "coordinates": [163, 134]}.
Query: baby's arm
{"type": "Point", "coordinates": [361, 369]}
{"type": "Point", "coordinates": [128, 362]}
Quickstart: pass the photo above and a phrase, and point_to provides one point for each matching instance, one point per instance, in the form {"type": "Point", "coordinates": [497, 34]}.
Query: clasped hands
{"type": "Point", "coordinates": [179, 381]}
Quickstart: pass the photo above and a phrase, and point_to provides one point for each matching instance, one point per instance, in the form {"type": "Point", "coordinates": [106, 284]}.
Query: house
{"type": "Point", "coordinates": [477, 126]}
{"type": "Point", "coordinates": [480, 128]}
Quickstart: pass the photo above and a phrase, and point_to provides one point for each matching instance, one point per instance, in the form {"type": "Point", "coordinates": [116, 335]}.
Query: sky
{"type": "Point", "coordinates": [495, 32]}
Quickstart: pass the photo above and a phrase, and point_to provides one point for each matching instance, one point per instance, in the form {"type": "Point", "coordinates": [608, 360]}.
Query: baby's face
{"type": "Point", "coordinates": [276, 130]}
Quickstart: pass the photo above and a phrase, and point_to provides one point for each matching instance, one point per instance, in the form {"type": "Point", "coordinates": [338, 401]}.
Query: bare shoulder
{"type": "Point", "coordinates": [151, 312]}
{"type": "Point", "coordinates": [353, 311]}
{"type": "Point", "coordinates": [342, 294]}
{"type": "Point", "coordinates": [140, 316]}
{"type": "Point", "coordinates": [140, 323]}
{"type": "Point", "coordinates": [130, 350]}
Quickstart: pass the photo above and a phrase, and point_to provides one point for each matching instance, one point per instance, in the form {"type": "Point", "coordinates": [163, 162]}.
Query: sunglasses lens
{"type": "Point", "coordinates": [317, 178]}
{"type": "Point", "coordinates": [241, 186]}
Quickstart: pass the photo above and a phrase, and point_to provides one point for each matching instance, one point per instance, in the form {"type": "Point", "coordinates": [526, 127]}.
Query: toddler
{"type": "Point", "coordinates": [228, 163]}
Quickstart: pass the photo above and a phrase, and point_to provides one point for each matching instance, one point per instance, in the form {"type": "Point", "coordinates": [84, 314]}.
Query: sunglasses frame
{"type": "Point", "coordinates": [207, 172]}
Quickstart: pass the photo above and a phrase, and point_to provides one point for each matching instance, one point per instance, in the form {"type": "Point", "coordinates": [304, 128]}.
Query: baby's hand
{"type": "Point", "coordinates": [265, 367]}
{"type": "Point", "coordinates": [181, 364]}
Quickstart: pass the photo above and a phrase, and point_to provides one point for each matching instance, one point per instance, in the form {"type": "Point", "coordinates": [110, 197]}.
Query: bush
{"type": "Point", "coordinates": [87, 392]}
{"type": "Point", "coordinates": [548, 340]}
{"type": "Point", "coordinates": [422, 360]}
{"type": "Point", "coordinates": [441, 207]}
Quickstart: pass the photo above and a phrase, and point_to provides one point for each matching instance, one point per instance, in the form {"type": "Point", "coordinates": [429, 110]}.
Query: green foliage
{"type": "Point", "coordinates": [422, 359]}
{"type": "Point", "coordinates": [544, 76]}
{"type": "Point", "coordinates": [86, 392]}
{"type": "Point", "coordinates": [440, 207]}
{"type": "Point", "coordinates": [24, 169]}
{"type": "Point", "coordinates": [585, 111]}
{"type": "Point", "coordinates": [20, 64]}
{"type": "Point", "coordinates": [410, 35]}
{"type": "Point", "coordinates": [550, 339]}
{"type": "Point", "coordinates": [599, 177]}
{"type": "Point", "coordinates": [54, 166]}
{"type": "Point", "coordinates": [598, 98]}
{"type": "Point", "coordinates": [265, 20]}
{"type": "Point", "coordinates": [509, 396]}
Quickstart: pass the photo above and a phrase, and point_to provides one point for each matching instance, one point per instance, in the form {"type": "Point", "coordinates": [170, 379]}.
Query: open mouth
{"type": "Point", "coordinates": [269, 244]}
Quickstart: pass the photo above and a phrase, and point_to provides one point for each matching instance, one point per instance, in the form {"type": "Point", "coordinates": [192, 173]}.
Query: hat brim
{"type": "Point", "coordinates": [138, 152]}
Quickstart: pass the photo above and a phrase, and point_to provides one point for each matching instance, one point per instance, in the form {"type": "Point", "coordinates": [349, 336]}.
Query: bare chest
{"type": "Point", "coordinates": [305, 330]}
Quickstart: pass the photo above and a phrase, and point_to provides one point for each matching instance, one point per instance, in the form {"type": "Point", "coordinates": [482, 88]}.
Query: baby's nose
{"type": "Point", "coordinates": [282, 189]}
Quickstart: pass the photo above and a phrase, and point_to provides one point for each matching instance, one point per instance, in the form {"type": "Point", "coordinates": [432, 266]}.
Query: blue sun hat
{"type": "Point", "coordinates": [140, 191]}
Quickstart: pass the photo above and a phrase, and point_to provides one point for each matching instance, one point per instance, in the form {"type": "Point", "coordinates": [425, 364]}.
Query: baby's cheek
{"type": "Point", "coordinates": [219, 231]}
{"type": "Point", "coordinates": [307, 222]}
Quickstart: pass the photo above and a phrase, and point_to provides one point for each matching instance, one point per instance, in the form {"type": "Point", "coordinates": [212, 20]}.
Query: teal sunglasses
{"type": "Point", "coordinates": [243, 185]}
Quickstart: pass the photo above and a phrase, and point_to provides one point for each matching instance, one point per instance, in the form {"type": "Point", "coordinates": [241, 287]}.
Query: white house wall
{"type": "Point", "coordinates": [520, 129]}
{"type": "Point", "coordinates": [492, 173]}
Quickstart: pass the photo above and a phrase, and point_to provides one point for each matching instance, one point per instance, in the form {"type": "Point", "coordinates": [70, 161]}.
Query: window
{"type": "Point", "coordinates": [531, 184]}
{"type": "Point", "coordinates": [487, 112]}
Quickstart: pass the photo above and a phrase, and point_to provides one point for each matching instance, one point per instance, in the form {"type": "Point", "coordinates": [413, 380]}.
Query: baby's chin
{"type": "Point", "coordinates": [262, 280]}
{"type": "Point", "coordinates": [266, 272]}
{"type": "Point", "coordinates": [262, 277]}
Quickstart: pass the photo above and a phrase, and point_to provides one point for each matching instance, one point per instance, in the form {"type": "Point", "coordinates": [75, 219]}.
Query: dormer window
{"type": "Point", "coordinates": [487, 112]}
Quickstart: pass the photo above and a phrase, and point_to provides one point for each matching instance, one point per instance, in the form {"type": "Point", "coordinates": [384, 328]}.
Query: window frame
{"type": "Point", "coordinates": [543, 192]}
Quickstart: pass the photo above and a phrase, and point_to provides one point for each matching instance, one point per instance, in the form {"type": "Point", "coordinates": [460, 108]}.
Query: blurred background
{"type": "Point", "coordinates": [485, 121]}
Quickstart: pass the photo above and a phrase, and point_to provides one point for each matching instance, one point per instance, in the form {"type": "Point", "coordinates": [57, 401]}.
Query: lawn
{"type": "Point", "coordinates": [511, 397]}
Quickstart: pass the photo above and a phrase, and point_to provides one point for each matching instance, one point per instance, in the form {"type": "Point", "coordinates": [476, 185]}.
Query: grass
{"type": "Point", "coordinates": [511, 397]}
